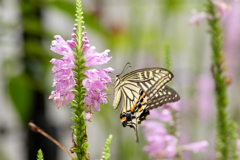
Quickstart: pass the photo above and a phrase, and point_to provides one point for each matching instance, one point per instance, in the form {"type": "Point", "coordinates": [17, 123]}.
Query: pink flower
{"type": "Point", "coordinates": [205, 89]}
{"type": "Point", "coordinates": [154, 127]}
{"type": "Point", "coordinates": [232, 38]}
{"type": "Point", "coordinates": [88, 113]}
{"type": "Point", "coordinates": [196, 146]}
{"type": "Point", "coordinates": [221, 8]}
{"type": "Point", "coordinates": [97, 78]}
{"type": "Point", "coordinates": [94, 58]}
{"type": "Point", "coordinates": [63, 80]}
{"type": "Point", "coordinates": [175, 106]}
{"type": "Point", "coordinates": [197, 17]}
{"type": "Point", "coordinates": [238, 147]}
{"type": "Point", "coordinates": [165, 115]}
{"type": "Point", "coordinates": [161, 144]}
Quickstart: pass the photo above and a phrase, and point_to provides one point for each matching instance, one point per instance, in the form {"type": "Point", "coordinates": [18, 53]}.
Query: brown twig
{"type": "Point", "coordinates": [37, 129]}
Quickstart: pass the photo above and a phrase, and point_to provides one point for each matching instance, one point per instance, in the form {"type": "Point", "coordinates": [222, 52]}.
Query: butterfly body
{"type": "Point", "coordinates": [142, 90]}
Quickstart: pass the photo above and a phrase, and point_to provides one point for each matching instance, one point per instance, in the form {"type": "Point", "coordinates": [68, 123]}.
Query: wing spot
{"type": "Point", "coordinates": [157, 71]}
{"type": "Point", "coordinates": [176, 96]}
{"type": "Point", "coordinates": [169, 93]}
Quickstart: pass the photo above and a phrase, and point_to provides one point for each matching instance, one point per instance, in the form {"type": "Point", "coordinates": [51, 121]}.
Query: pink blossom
{"type": "Point", "coordinates": [232, 38]}
{"type": "Point", "coordinates": [196, 146]}
{"type": "Point", "coordinates": [165, 115]}
{"type": "Point", "coordinates": [87, 116]}
{"type": "Point", "coordinates": [221, 7]}
{"type": "Point", "coordinates": [238, 147]}
{"type": "Point", "coordinates": [161, 144]}
{"type": "Point", "coordinates": [205, 89]}
{"type": "Point", "coordinates": [63, 80]}
{"type": "Point", "coordinates": [175, 106]}
{"type": "Point", "coordinates": [86, 43]}
{"type": "Point", "coordinates": [94, 58]}
{"type": "Point", "coordinates": [154, 126]}
{"type": "Point", "coordinates": [197, 17]}
{"type": "Point", "coordinates": [97, 78]}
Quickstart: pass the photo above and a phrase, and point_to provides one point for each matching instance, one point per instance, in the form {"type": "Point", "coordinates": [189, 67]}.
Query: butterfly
{"type": "Point", "coordinates": [141, 91]}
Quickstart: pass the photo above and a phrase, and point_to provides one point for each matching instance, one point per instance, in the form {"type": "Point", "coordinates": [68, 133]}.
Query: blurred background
{"type": "Point", "coordinates": [135, 31]}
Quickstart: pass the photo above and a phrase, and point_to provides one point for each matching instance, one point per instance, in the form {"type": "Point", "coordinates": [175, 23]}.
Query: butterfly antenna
{"type": "Point", "coordinates": [125, 68]}
{"type": "Point", "coordinates": [112, 73]}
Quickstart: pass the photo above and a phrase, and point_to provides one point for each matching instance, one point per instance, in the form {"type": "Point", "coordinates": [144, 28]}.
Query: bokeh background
{"type": "Point", "coordinates": [135, 31]}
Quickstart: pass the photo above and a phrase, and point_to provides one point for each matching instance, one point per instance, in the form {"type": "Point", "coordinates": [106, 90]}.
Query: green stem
{"type": "Point", "coordinates": [171, 129]}
{"type": "Point", "coordinates": [222, 141]}
{"type": "Point", "coordinates": [78, 103]}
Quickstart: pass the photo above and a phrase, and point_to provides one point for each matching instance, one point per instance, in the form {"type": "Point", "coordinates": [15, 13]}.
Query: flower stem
{"type": "Point", "coordinates": [37, 129]}
{"type": "Point", "coordinates": [171, 129]}
{"type": "Point", "coordinates": [222, 140]}
{"type": "Point", "coordinates": [78, 103]}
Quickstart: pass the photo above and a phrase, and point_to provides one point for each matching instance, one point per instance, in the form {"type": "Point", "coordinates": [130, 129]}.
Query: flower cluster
{"type": "Point", "coordinates": [64, 76]}
{"type": "Point", "coordinates": [221, 9]}
{"type": "Point", "coordinates": [63, 80]}
{"type": "Point", "coordinates": [162, 144]}
{"type": "Point", "coordinates": [97, 79]}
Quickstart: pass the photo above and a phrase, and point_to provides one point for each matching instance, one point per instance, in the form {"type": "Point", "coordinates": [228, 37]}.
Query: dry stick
{"type": "Point", "coordinates": [35, 128]}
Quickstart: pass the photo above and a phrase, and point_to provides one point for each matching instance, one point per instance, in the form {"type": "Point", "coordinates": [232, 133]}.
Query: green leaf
{"type": "Point", "coordinates": [22, 95]}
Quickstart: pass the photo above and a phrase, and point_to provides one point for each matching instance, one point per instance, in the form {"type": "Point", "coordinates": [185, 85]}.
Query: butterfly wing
{"type": "Point", "coordinates": [142, 89]}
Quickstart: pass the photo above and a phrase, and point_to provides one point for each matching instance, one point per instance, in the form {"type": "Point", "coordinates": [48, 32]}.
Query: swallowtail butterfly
{"type": "Point", "coordinates": [142, 90]}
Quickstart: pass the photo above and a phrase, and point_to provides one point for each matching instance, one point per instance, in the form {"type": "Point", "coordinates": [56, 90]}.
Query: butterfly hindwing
{"type": "Point", "coordinates": [163, 96]}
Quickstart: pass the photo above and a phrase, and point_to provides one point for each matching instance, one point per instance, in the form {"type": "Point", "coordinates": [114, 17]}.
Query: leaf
{"type": "Point", "coordinates": [21, 93]}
